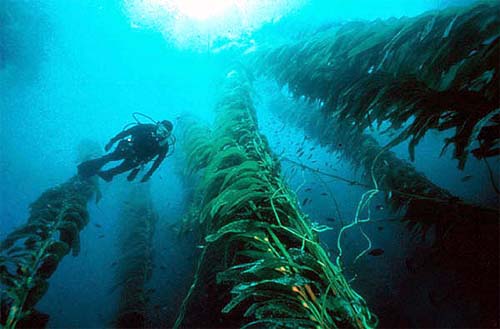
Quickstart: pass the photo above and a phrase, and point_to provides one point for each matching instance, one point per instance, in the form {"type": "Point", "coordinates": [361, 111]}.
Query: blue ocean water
{"type": "Point", "coordinates": [76, 70]}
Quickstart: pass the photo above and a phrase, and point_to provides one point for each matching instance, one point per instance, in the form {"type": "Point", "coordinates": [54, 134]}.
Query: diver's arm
{"type": "Point", "coordinates": [122, 134]}
{"type": "Point", "coordinates": [156, 164]}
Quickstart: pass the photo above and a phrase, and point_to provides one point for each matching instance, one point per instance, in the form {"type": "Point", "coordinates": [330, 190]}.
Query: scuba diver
{"type": "Point", "coordinates": [146, 141]}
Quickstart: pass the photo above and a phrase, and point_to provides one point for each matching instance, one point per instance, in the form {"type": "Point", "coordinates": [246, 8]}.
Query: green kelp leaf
{"type": "Point", "coordinates": [303, 258]}
{"type": "Point", "coordinates": [33, 243]}
{"type": "Point", "coordinates": [27, 231]}
{"type": "Point", "coordinates": [265, 265]}
{"type": "Point", "coordinates": [225, 203]}
{"type": "Point", "coordinates": [262, 268]}
{"type": "Point", "coordinates": [235, 301]}
{"type": "Point", "coordinates": [279, 307]}
{"type": "Point", "coordinates": [241, 226]}
{"type": "Point", "coordinates": [76, 218]}
{"type": "Point", "coordinates": [242, 201]}
{"type": "Point", "coordinates": [48, 267]}
{"type": "Point", "coordinates": [70, 230]}
{"type": "Point", "coordinates": [245, 169]}
{"type": "Point", "coordinates": [8, 279]}
{"type": "Point", "coordinates": [282, 323]}
{"type": "Point", "coordinates": [256, 254]}
{"type": "Point", "coordinates": [58, 248]}
{"type": "Point", "coordinates": [280, 283]}
{"type": "Point", "coordinates": [230, 157]}
{"type": "Point", "coordinates": [264, 291]}
{"type": "Point", "coordinates": [36, 293]}
{"type": "Point", "coordinates": [20, 254]}
{"type": "Point", "coordinates": [70, 235]}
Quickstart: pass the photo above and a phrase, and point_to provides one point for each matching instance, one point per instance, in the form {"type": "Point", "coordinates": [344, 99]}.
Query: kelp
{"type": "Point", "coordinates": [262, 265]}
{"type": "Point", "coordinates": [31, 253]}
{"type": "Point", "coordinates": [435, 71]}
{"type": "Point", "coordinates": [135, 264]}
{"type": "Point", "coordinates": [424, 204]}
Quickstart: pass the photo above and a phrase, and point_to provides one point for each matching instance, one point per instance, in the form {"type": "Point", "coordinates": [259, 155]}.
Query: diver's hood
{"type": "Point", "coordinates": [162, 134]}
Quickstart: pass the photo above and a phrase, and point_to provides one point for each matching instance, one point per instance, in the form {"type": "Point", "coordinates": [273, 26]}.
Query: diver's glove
{"type": "Point", "coordinates": [145, 178]}
{"type": "Point", "coordinates": [108, 146]}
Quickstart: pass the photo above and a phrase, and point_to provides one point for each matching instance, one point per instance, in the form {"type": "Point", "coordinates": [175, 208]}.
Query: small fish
{"type": "Point", "coordinates": [379, 207]}
{"type": "Point", "coordinates": [330, 219]}
{"type": "Point", "coordinates": [308, 189]}
{"type": "Point", "coordinates": [466, 178]}
{"type": "Point", "coordinates": [300, 150]}
{"type": "Point", "coordinates": [380, 228]}
{"type": "Point", "coordinates": [312, 148]}
{"type": "Point", "coordinates": [340, 145]}
{"type": "Point", "coordinates": [300, 154]}
{"type": "Point", "coordinates": [163, 267]}
{"type": "Point", "coordinates": [306, 200]}
{"type": "Point", "coordinates": [97, 225]}
{"type": "Point", "coordinates": [101, 236]}
{"type": "Point", "coordinates": [314, 161]}
{"type": "Point", "coordinates": [376, 252]}
{"type": "Point", "coordinates": [114, 263]}
{"type": "Point", "coordinates": [324, 193]}
{"type": "Point", "coordinates": [310, 156]}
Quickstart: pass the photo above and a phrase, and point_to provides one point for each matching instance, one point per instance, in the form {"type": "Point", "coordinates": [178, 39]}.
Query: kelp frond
{"type": "Point", "coordinates": [270, 268]}
{"type": "Point", "coordinates": [436, 71]}
{"type": "Point", "coordinates": [31, 254]}
{"type": "Point", "coordinates": [135, 265]}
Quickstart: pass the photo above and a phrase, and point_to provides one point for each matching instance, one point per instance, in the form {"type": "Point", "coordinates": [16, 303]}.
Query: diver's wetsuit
{"type": "Point", "coordinates": [141, 147]}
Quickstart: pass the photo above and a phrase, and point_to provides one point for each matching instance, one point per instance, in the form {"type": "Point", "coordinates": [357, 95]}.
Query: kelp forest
{"type": "Point", "coordinates": [367, 94]}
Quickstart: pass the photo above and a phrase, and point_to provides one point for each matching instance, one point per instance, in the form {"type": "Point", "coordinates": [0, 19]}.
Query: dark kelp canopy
{"type": "Point", "coordinates": [424, 204]}
{"type": "Point", "coordinates": [262, 265]}
{"type": "Point", "coordinates": [31, 253]}
{"type": "Point", "coordinates": [436, 71]}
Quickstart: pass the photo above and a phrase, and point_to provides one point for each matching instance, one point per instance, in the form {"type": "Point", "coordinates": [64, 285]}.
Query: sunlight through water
{"type": "Point", "coordinates": [195, 24]}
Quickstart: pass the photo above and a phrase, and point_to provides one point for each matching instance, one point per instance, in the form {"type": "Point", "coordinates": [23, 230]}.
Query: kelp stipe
{"type": "Point", "coordinates": [31, 254]}
{"type": "Point", "coordinates": [439, 71]}
{"type": "Point", "coordinates": [137, 225]}
{"type": "Point", "coordinates": [262, 264]}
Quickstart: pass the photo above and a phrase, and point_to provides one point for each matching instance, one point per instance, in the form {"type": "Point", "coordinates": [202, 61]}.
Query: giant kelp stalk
{"type": "Point", "coordinates": [436, 71]}
{"type": "Point", "coordinates": [262, 264]}
{"type": "Point", "coordinates": [31, 254]}
{"type": "Point", "coordinates": [135, 265]}
{"type": "Point", "coordinates": [425, 204]}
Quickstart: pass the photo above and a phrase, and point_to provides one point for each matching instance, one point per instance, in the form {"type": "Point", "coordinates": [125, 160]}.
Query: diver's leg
{"type": "Point", "coordinates": [133, 174]}
{"type": "Point", "coordinates": [126, 165]}
{"type": "Point", "coordinates": [91, 167]}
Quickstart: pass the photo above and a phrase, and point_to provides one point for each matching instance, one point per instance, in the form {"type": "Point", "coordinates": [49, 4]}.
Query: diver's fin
{"type": "Point", "coordinates": [106, 175]}
{"type": "Point", "coordinates": [91, 167]}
